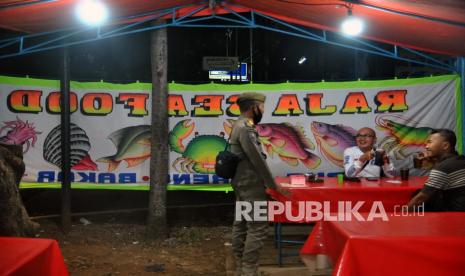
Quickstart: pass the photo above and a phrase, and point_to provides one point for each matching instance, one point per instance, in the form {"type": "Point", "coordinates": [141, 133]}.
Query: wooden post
{"type": "Point", "coordinates": [156, 222]}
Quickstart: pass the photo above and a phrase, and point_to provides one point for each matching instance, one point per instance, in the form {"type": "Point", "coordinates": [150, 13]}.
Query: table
{"type": "Point", "coordinates": [390, 194]}
{"type": "Point", "coordinates": [28, 256]}
{"type": "Point", "coordinates": [433, 244]}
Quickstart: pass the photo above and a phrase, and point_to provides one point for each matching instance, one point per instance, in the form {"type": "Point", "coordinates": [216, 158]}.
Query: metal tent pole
{"type": "Point", "coordinates": [461, 71]}
{"type": "Point", "coordinates": [65, 145]}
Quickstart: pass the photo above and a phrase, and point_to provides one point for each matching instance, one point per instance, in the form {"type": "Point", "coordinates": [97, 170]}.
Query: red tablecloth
{"type": "Point", "coordinates": [26, 256]}
{"type": "Point", "coordinates": [433, 244]}
{"type": "Point", "coordinates": [390, 194]}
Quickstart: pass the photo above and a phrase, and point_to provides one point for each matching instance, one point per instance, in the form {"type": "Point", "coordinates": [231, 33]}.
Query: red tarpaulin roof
{"type": "Point", "coordinates": [436, 26]}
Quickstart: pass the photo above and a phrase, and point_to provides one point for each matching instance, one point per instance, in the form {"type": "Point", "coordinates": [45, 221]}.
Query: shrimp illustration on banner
{"type": "Point", "coordinates": [402, 139]}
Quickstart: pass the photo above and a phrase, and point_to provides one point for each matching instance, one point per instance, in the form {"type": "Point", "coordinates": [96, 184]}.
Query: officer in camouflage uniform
{"type": "Point", "coordinates": [249, 183]}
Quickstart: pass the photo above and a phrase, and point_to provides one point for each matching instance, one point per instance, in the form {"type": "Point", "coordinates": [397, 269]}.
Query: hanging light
{"type": "Point", "coordinates": [302, 60]}
{"type": "Point", "coordinates": [92, 12]}
{"type": "Point", "coordinates": [351, 25]}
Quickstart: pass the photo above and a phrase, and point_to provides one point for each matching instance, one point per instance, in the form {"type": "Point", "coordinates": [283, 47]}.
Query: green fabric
{"type": "Point", "coordinates": [233, 87]}
{"type": "Point", "coordinates": [138, 187]}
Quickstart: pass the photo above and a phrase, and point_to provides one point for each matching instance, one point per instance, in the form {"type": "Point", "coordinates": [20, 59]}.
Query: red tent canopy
{"type": "Point", "coordinates": [436, 26]}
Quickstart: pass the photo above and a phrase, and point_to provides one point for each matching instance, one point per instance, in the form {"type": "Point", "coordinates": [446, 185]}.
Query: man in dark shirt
{"type": "Point", "coordinates": [447, 178]}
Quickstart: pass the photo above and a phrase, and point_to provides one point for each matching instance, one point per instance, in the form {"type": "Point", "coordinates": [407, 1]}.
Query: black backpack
{"type": "Point", "coordinates": [226, 163]}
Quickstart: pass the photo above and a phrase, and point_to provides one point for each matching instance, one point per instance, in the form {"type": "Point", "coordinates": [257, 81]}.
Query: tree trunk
{"type": "Point", "coordinates": [14, 220]}
{"type": "Point", "coordinates": [156, 222]}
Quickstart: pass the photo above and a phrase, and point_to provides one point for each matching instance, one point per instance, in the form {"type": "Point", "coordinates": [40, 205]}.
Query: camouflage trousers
{"type": "Point", "coordinates": [248, 236]}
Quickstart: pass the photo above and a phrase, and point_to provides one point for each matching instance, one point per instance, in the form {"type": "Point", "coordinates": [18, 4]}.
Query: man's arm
{"type": "Point", "coordinates": [418, 200]}
{"type": "Point", "coordinates": [437, 180]}
{"type": "Point", "coordinates": [388, 166]}
{"type": "Point", "coordinates": [250, 145]}
{"type": "Point", "coordinates": [351, 167]}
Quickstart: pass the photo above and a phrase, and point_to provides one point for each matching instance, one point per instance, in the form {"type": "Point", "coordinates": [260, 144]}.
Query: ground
{"type": "Point", "coordinates": [111, 248]}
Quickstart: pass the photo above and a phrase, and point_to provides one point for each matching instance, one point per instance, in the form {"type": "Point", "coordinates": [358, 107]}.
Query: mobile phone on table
{"type": "Point", "coordinates": [372, 178]}
{"type": "Point", "coordinates": [351, 179]}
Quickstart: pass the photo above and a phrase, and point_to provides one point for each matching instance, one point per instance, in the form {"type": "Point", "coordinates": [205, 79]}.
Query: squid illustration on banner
{"type": "Point", "coordinates": [19, 132]}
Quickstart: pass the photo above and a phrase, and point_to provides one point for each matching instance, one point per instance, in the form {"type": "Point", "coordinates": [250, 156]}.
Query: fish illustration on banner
{"type": "Point", "coordinates": [132, 145]}
{"type": "Point", "coordinates": [79, 144]}
{"type": "Point", "coordinates": [289, 143]}
{"type": "Point", "coordinates": [332, 140]}
{"type": "Point", "coordinates": [19, 133]}
{"type": "Point", "coordinates": [199, 155]}
{"type": "Point", "coordinates": [401, 139]}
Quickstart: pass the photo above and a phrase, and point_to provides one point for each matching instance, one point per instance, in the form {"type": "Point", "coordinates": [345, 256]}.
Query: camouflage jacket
{"type": "Point", "coordinates": [252, 169]}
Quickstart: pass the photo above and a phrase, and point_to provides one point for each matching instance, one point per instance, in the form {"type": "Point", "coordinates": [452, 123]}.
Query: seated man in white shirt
{"type": "Point", "coordinates": [359, 161]}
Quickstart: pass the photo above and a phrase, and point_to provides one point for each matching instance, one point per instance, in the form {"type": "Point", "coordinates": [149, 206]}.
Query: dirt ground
{"type": "Point", "coordinates": [111, 248]}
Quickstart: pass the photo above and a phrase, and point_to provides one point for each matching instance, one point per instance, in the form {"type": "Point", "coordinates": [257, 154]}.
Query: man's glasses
{"type": "Point", "coordinates": [364, 136]}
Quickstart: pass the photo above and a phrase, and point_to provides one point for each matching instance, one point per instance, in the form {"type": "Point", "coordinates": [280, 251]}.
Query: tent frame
{"type": "Point", "coordinates": [26, 44]}
{"type": "Point", "coordinates": [62, 38]}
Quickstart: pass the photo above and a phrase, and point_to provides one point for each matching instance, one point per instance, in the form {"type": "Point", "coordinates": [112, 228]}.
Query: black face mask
{"type": "Point", "coordinates": [257, 116]}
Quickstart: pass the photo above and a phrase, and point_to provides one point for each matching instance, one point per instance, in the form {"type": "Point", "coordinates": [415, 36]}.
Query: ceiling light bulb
{"type": "Point", "coordinates": [92, 12]}
{"type": "Point", "coordinates": [352, 25]}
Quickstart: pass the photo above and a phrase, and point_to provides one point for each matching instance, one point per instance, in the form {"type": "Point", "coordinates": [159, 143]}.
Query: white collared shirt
{"type": "Point", "coordinates": [353, 166]}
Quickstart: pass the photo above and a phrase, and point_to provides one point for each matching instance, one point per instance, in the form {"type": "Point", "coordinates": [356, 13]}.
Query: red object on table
{"type": "Point", "coordinates": [390, 194]}
{"type": "Point", "coordinates": [433, 244]}
{"type": "Point", "coordinates": [28, 256]}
